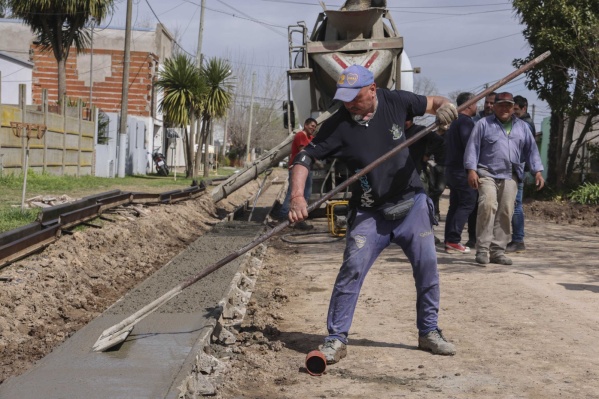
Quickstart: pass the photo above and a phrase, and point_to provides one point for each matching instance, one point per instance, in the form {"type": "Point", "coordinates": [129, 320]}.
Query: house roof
{"type": "Point", "coordinates": [20, 62]}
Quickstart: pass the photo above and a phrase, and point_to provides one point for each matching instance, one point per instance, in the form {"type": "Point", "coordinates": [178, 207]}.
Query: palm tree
{"type": "Point", "coordinates": [219, 79]}
{"type": "Point", "coordinates": [60, 24]}
{"type": "Point", "coordinates": [183, 91]}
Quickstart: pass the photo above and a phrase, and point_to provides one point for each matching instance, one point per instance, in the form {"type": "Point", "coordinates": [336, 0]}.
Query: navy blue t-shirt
{"type": "Point", "coordinates": [456, 139]}
{"type": "Point", "coordinates": [359, 145]}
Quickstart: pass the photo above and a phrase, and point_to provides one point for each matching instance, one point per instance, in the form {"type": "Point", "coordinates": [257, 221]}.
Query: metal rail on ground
{"type": "Point", "coordinates": [53, 221]}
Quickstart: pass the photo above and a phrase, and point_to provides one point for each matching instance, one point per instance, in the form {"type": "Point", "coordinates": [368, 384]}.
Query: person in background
{"type": "Point", "coordinates": [462, 197]}
{"type": "Point", "coordinates": [497, 152]}
{"type": "Point", "coordinates": [387, 206]}
{"type": "Point", "coordinates": [487, 107]}
{"type": "Point", "coordinates": [428, 154]}
{"type": "Point", "coordinates": [486, 111]}
{"type": "Point", "coordinates": [435, 171]}
{"type": "Point", "coordinates": [517, 243]}
{"type": "Point", "coordinates": [300, 141]}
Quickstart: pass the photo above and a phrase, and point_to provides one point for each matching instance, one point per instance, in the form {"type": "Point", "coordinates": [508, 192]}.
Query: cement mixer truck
{"type": "Point", "coordinates": [361, 32]}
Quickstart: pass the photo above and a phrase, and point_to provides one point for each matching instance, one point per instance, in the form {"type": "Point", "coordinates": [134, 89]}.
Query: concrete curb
{"type": "Point", "coordinates": [194, 379]}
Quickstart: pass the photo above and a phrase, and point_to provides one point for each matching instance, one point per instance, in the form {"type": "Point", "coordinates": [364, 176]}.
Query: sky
{"type": "Point", "coordinates": [460, 45]}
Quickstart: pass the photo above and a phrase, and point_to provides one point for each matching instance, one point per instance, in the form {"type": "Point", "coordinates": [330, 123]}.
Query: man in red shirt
{"type": "Point", "coordinates": [300, 140]}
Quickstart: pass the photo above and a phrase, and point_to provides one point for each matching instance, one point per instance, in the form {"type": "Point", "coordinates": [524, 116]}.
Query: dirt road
{"type": "Point", "coordinates": [529, 330]}
{"type": "Point", "coordinates": [524, 331]}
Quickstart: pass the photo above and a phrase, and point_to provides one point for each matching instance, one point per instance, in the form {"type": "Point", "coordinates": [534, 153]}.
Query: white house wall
{"type": "Point", "coordinates": [13, 74]}
{"type": "Point", "coordinates": [138, 161]}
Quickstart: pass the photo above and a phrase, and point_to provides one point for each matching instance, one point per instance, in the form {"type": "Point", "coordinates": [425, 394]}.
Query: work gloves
{"type": "Point", "coordinates": [446, 114]}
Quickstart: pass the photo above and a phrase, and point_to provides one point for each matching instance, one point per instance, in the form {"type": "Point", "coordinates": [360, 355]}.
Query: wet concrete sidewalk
{"type": "Point", "coordinates": [161, 351]}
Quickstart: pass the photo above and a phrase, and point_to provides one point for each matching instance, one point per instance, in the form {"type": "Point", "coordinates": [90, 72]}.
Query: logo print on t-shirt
{"type": "Point", "coordinates": [366, 199]}
{"type": "Point", "coordinates": [396, 131]}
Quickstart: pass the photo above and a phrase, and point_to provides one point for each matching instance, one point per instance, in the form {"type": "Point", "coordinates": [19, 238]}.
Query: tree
{"type": "Point", "coordinates": [219, 80]}
{"type": "Point", "coordinates": [60, 24]}
{"type": "Point", "coordinates": [4, 8]}
{"type": "Point", "coordinates": [425, 87]}
{"type": "Point", "coordinates": [569, 79]}
{"type": "Point", "coordinates": [267, 118]}
{"type": "Point", "coordinates": [183, 90]}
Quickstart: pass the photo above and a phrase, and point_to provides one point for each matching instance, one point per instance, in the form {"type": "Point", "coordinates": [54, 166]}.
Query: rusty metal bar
{"type": "Point", "coordinates": [53, 221]}
{"type": "Point", "coordinates": [166, 197]}
{"type": "Point", "coordinates": [114, 201]}
{"type": "Point", "coordinates": [144, 198]}
{"type": "Point", "coordinates": [29, 244]}
{"type": "Point", "coordinates": [78, 216]}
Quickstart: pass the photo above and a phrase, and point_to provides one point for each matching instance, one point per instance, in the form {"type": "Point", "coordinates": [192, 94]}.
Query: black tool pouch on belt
{"type": "Point", "coordinates": [398, 211]}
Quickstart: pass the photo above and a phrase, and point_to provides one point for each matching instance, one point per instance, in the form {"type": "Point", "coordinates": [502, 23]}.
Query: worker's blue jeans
{"type": "Point", "coordinates": [367, 236]}
{"type": "Point", "coordinates": [518, 217]}
{"type": "Point", "coordinates": [284, 211]}
{"type": "Point", "coordinates": [462, 200]}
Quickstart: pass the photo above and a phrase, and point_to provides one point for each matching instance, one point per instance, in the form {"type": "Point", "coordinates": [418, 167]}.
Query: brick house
{"type": "Point", "coordinates": [149, 48]}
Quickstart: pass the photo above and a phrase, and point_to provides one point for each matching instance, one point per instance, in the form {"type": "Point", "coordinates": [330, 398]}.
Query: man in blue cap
{"type": "Point", "coordinates": [388, 206]}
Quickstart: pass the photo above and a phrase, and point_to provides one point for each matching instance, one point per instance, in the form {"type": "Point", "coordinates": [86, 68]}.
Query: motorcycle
{"type": "Point", "coordinates": [160, 163]}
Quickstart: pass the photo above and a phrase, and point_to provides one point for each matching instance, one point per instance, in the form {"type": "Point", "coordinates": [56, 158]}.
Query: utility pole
{"type": "Point", "coordinates": [198, 123]}
{"type": "Point", "coordinates": [91, 66]}
{"type": "Point", "coordinates": [125, 93]}
{"type": "Point", "coordinates": [249, 151]}
{"type": "Point", "coordinates": [223, 148]}
{"type": "Point", "coordinates": [200, 36]}
{"type": "Point", "coordinates": [533, 113]}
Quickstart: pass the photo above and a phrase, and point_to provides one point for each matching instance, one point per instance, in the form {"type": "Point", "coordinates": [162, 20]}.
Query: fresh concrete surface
{"type": "Point", "coordinates": [149, 363]}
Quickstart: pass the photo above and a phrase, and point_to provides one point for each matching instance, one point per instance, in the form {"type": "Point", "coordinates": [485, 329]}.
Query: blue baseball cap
{"type": "Point", "coordinates": [350, 82]}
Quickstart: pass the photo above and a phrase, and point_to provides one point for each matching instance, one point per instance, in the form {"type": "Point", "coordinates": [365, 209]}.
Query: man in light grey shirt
{"type": "Point", "coordinates": [498, 149]}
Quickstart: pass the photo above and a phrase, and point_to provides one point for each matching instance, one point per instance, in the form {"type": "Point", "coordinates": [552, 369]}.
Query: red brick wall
{"type": "Point", "coordinates": [107, 94]}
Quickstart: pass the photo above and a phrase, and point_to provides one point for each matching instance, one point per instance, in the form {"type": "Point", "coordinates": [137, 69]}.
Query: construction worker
{"type": "Point", "coordinates": [498, 150]}
{"type": "Point", "coordinates": [517, 242]}
{"type": "Point", "coordinates": [388, 206]}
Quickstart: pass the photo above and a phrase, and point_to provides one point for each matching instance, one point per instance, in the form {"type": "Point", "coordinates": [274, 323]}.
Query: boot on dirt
{"type": "Point", "coordinates": [435, 342]}
{"type": "Point", "coordinates": [333, 350]}
{"type": "Point", "coordinates": [517, 247]}
{"type": "Point", "coordinates": [501, 260]}
{"type": "Point", "coordinates": [482, 258]}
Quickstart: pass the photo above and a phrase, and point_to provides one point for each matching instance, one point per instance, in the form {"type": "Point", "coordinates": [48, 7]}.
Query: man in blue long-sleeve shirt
{"type": "Point", "coordinates": [498, 149]}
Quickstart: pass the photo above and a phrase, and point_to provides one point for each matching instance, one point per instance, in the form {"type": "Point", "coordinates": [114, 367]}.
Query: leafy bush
{"type": "Point", "coordinates": [587, 194]}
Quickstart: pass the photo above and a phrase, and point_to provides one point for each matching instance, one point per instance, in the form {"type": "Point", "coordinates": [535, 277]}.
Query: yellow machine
{"type": "Point", "coordinates": [337, 217]}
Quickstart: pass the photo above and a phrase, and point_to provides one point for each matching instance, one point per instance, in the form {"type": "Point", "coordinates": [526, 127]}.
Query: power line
{"type": "Point", "coordinates": [455, 6]}
{"type": "Point", "coordinates": [396, 7]}
{"type": "Point", "coordinates": [267, 25]}
{"type": "Point", "coordinates": [189, 23]}
{"type": "Point", "coordinates": [5, 76]}
{"type": "Point", "coordinates": [456, 15]}
{"type": "Point", "coordinates": [158, 19]}
{"type": "Point", "coordinates": [466, 45]}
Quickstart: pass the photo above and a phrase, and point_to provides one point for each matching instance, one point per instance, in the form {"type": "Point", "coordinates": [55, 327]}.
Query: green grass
{"type": "Point", "coordinates": [11, 218]}
{"type": "Point", "coordinates": [11, 187]}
